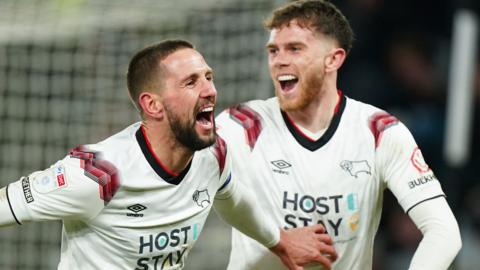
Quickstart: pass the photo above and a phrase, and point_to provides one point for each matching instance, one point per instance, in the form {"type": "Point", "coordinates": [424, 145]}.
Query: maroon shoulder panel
{"type": "Point", "coordinates": [101, 171]}
{"type": "Point", "coordinates": [250, 120]}
{"type": "Point", "coordinates": [378, 123]}
{"type": "Point", "coordinates": [220, 153]}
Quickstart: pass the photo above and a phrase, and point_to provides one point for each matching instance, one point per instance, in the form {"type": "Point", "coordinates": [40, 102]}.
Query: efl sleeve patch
{"type": "Point", "coordinates": [49, 180]}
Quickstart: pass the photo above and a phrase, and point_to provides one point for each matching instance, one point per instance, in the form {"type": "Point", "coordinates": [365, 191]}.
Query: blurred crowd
{"type": "Point", "coordinates": [400, 62]}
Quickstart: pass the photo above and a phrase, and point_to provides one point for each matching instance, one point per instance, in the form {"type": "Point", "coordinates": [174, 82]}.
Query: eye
{"type": "Point", "coordinates": [296, 49]}
{"type": "Point", "coordinates": [209, 77]}
{"type": "Point", "coordinates": [190, 83]}
{"type": "Point", "coordinates": [272, 51]}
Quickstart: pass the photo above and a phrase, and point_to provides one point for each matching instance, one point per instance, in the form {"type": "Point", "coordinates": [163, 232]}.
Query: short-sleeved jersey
{"type": "Point", "coordinates": [337, 180]}
{"type": "Point", "coordinates": [120, 208]}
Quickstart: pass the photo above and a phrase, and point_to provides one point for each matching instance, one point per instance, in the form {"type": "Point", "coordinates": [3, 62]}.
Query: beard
{"type": "Point", "coordinates": [308, 88]}
{"type": "Point", "coordinates": [185, 133]}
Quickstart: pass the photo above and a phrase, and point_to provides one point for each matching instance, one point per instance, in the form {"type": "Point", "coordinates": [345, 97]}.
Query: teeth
{"type": "Point", "coordinates": [286, 78]}
{"type": "Point", "coordinates": [208, 109]}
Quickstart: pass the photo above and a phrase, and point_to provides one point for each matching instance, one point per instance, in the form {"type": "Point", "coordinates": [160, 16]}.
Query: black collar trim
{"type": "Point", "coordinates": [156, 165]}
{"type": "Point", "coordinates": [309, 143]}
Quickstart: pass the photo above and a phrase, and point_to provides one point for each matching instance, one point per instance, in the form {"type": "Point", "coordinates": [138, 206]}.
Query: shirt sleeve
{"type": "Point", "coordinates": [227, 183]}
{"type": "Point", "coordinates": [404, 170]}
{"type": "Point", "coordinates": [441, 236]}
{"type": "Point", "coordinates": [62, 191]}
{"type": "Point", "coordinates": [232, 134]}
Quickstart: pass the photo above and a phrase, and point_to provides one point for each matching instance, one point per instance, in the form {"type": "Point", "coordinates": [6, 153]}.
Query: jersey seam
{"type": "Point", "coordinates": [10, 206]}
{"type": "Point", "coordinates": [431, 198]}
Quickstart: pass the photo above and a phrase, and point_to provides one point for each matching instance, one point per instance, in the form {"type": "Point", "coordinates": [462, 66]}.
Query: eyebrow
{"type": "Point", "coordinates": [270, 45]}
{"type": "Point", "coordinates": [196, 75]}
{"type": "Point", "coordinates": [293, 43]}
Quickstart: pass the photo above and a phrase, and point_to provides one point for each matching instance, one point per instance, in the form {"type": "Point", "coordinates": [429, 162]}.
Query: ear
{"type": "Point", "coordinates": [335, 59]}
{"type": "Point", "coordinates": [151, 105]}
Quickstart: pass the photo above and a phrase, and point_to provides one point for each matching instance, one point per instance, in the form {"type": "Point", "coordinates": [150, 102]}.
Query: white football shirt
{"type": "Point", "coordinates": [120, 208]}
{"type": "Point", "coordinates": [337, 180]}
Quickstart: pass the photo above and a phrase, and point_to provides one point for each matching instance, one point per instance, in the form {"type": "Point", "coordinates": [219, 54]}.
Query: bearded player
{"type": "Point", "coordinates": [139, 199]}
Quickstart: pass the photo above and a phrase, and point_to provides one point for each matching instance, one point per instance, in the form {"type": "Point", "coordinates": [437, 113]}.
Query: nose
{"type": "Point", "coordinates": [208, 90]}
{"type": "Point", "coordinates": [279, 59]}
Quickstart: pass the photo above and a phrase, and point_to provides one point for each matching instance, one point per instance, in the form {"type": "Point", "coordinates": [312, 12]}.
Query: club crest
{"type": "Point", "coordinates": [201, 198]}
{"type": "Point", "coordinates": [354, 168]}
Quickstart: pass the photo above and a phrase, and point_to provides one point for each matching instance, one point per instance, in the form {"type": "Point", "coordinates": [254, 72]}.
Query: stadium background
{"type": "Point", "coordinates": [62, 84]}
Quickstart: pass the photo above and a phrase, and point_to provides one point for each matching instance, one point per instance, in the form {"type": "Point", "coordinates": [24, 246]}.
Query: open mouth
{"type": "Point", "coordinates": [205, 117]}
{"type": "Point", "coordinates": [287, 82]}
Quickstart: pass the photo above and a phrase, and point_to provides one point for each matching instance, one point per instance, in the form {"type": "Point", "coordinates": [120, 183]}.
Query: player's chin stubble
{"type": "Point", "coordinates": [308, 91]}
{"type": "Point", "coordinates": [186, 134]}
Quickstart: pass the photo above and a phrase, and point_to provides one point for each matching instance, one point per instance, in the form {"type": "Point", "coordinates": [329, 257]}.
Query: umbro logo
{"type": "Point", "coordinates": [136, 208]}
{"type": "Point", "coordinates": [280, 165]}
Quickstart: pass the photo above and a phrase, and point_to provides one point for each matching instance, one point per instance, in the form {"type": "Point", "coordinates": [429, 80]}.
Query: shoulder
{"type": "Point", "coordinates": [243, 113]}
{"type": "Point", "coordinates": [374, 120]}
{"type": "Point", "coordinates": [219, 150]}
{"type": "Point", "coordinates": [116, 148]}
{"type": "Point", "coordinates": [244, 122]}
{"type": "Point", "coordinates": [101, 162]}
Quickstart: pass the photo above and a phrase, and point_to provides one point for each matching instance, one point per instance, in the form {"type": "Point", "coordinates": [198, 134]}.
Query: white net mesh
{"type": "Point", "coordinates": [62, 83]}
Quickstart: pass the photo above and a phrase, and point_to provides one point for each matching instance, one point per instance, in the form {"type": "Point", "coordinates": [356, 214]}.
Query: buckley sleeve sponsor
{"type": "Point", "coordinates": [422, 180]}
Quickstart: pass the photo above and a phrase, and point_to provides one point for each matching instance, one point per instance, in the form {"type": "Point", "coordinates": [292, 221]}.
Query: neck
{"type": "Point", "coordinates": [319, 112]}
{"type": "Point", "coordinates": [169, 152]}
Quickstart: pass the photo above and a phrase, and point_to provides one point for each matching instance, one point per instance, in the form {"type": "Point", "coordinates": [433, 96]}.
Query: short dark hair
{"type": "Point", "coordinates": [145, 68]}
{"type": "Point", "coordinates": [321, 15]}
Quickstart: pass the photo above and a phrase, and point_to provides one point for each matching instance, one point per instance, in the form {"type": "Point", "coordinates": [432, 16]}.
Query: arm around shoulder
{"type": "Point", "coordinates": [295, 247]}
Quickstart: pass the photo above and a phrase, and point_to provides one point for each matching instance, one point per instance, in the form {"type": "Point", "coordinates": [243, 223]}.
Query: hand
{"type": "Point", "coordinates": [301, 246]}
